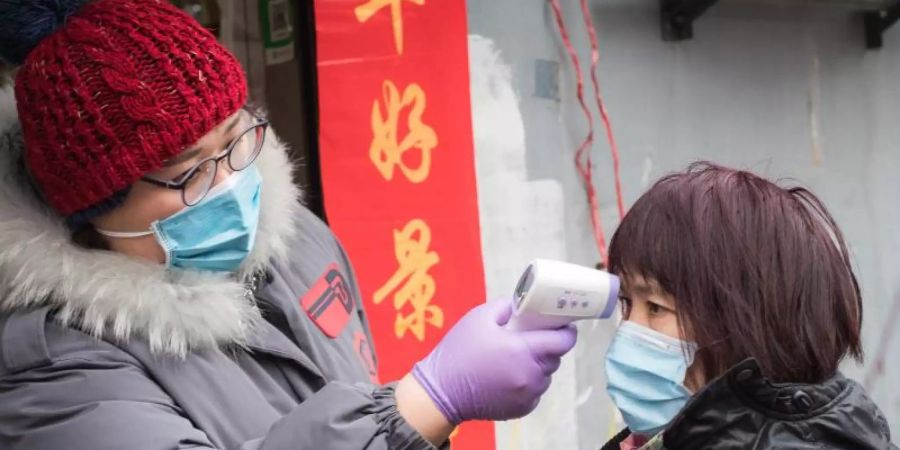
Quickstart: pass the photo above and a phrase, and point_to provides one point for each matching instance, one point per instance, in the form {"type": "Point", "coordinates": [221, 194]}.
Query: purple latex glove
{"type": "Point", "coordinates": [483, 371]}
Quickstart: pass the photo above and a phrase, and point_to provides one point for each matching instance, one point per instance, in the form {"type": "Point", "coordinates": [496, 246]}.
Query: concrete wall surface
{"type": "Point", "coordinates": [787, 90]}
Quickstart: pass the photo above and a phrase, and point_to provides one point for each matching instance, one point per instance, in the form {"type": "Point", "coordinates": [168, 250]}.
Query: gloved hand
{"type": "Point", "coordinates": [481, 370]}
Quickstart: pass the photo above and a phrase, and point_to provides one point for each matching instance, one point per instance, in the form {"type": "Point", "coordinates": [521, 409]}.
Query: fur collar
{"type": "Point", "coordinates": [110, 295]}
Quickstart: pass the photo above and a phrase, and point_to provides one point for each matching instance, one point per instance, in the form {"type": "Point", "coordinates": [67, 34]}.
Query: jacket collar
{"type": "Point", "coordinates": [112, 296]}
{"type": "Point", "coordinates": [782, 400]}
{"type": "Point", "coordinates": [735, 405]}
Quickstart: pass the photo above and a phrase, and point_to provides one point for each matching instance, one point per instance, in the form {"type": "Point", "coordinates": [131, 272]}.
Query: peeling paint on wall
{"type": "Point", "coordinates": [520, 220]}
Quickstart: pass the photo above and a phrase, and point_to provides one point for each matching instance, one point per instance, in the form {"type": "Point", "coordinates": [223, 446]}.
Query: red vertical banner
{"type": "Point", "coordinates": [398, 170]}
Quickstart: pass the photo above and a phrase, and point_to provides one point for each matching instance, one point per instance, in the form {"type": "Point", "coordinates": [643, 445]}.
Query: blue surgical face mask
{"type": "Point", "coordinates": [214, 235]}
{"type": "Point", "coordinates": [645, 372]}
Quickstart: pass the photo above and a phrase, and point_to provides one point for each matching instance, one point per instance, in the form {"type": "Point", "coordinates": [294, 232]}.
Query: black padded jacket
{"type": "Point", "coordinates": [744, 410]}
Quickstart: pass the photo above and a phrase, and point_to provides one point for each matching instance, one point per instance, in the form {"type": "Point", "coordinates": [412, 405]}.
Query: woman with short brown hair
{"type": "Point", "coordinates": [739, 303]}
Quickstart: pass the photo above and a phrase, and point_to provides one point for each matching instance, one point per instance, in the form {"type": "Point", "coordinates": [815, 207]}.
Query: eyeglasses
{"type": "Point", "coordinates": [240, 153]}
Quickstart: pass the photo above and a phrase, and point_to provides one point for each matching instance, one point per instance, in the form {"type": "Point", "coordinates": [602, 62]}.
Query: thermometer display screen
{"type": "Point", "coordinates": [524, 285]}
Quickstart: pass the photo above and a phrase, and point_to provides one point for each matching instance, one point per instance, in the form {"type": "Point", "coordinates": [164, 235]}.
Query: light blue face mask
{"type": "Point", "coordinates": [214, 235]}
{"type": "Point", "coordinates": [645, 372]}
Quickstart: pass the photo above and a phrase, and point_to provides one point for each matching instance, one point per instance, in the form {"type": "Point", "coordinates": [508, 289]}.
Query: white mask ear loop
{"type": "Point", "coordinates": [124, 234]}
{"type": "Point", "coordinates": [138, 234]}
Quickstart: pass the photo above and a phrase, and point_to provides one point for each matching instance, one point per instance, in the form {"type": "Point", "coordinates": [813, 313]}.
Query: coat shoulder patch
{"type": "Point", "coordinates": [329, 302]}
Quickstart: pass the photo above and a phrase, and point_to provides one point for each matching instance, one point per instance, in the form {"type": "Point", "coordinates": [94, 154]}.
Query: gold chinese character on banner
{"type": "Point", "coordinates": [388, 149]}
{"type": "Point", "coordinates": [365, 12]}
{"type": "Point", "coordinates": [411, 284]}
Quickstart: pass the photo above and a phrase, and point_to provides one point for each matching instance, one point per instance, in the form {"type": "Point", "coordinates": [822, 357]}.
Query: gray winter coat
{"type": "Point", "coordinates": [100, 351]}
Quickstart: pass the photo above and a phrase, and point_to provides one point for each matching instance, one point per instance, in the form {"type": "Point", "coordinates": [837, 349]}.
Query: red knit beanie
{"type": "Point", "coordinates": [116, 90]}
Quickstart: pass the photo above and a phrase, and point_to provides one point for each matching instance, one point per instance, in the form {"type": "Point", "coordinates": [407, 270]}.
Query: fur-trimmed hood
{"type": "Point", "coordinates": [111, 295]}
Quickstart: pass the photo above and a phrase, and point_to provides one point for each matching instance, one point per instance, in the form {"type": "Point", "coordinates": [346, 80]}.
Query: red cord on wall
{"type": "Point", "coordinates": [601, 106]}
{"type": "Point", "coordinates": [583, 160]}
{"type": "Point", "coordinates": [583, 154]}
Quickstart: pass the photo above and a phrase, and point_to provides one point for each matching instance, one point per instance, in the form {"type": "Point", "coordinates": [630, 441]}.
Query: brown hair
{"type": "Point", "coordinates": [756, 270]}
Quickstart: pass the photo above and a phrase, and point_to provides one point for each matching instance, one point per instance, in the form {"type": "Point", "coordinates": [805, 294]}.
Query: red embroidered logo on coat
{"type": "Point", "coordinates": [329, 303]}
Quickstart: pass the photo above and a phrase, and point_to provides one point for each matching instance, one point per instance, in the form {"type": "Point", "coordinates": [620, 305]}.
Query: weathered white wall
{"type": "Point", "coordinates": [789, 92]}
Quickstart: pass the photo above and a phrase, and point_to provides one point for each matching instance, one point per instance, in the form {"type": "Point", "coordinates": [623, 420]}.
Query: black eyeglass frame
{"type": "Point", "coordinates": [181, 183]}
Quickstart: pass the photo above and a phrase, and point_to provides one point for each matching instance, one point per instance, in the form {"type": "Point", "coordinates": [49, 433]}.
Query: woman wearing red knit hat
{"type": "Point", "coordinates": [154, 254]}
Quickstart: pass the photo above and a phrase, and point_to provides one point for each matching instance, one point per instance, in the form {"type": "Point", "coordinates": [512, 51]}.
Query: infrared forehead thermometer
{"type": "Point", "coordinates": [551, 294]}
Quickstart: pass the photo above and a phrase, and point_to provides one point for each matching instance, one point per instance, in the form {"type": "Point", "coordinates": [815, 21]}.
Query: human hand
{"type": "Point", "coordinates": [482, 370]}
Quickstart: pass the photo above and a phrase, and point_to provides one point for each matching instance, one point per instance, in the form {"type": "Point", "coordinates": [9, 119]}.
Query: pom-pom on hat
{"type": "Point", "coordinates": [108, 90]}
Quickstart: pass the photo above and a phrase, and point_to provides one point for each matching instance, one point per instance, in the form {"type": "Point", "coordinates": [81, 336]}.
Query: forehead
{"type": "Point", "coordinates": [222, 127]}
{"type": "Point", "coordinates": [637, 284]}
{"type": "Point", "coordinates": [212, 141]}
